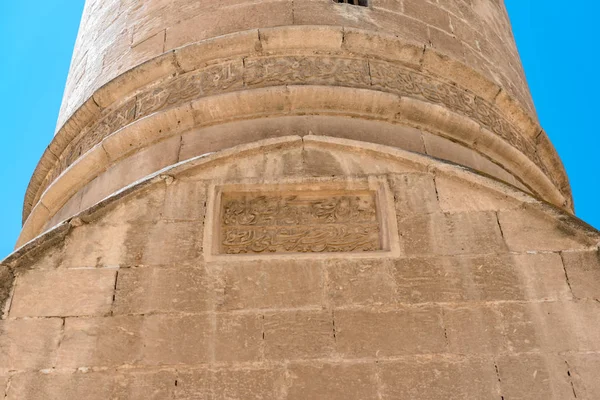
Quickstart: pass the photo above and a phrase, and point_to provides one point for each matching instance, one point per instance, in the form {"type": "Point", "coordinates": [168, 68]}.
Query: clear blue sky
{"type": "Point", "coordinates": [556, 42]}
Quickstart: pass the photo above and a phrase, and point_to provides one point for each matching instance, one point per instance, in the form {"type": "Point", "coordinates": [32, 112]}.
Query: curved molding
{"type": "Point", "coordinates": [284, 101]}
{"type": "Point", "coordinates": [31, 247]}
{"type": "Point", "coordinates": [275, 56]}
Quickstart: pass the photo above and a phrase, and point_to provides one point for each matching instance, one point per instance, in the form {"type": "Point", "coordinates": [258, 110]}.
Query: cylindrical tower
{"type": "Point", "coordinates": [292, 199]}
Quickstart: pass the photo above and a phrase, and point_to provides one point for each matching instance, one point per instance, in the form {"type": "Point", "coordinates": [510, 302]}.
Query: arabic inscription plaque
{"type": "Point", "coordinates": [299, 222]}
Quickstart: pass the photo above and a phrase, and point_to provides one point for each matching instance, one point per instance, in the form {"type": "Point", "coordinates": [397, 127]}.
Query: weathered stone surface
{"type": "Point", "coordinates": [531, 229]}
{"type": "Point", "coordinates": [29, 344]}
{"type": "Point", "coordinates": [101, 342]}
{"type": "Point", "coordinates": [331, 381]}
{"type": "Point", "coordinates": [437, 378]}
{"type": "Point", "coordinates": [534, 377]}
{"type": "Point", "coordinates": [369, 282]}
{"type": "Point", "coordinates": [237, 338]}
{"type": "Point", "coordinates": [391, 333]}
{"type": "Point", "coordinates": [163, 243]}
{"type": "Point", "coordinates": [455, 196]}
{"type": "Point", "coordinates": [583, 370]}
{"type": "Point", "coordinates": [223, 384]}
{"type": "Point", "coordinates": [451, 233]}
{"type": "Point", "coordinates": [583, 272]}
{"type": "Point", "coordinates": [148, 290]}
{"type": "Point", "coordinates": [171, 340]}
{"type": "Point", "coordinates": [7, 278]}
{"type": "Point", "coordinates": [268, 284]}
{"type": "Point", "coordinates": [64, 293]}
{"type": "Point", "coordinates": [298, 335]}
{"type": "Point", "coordinates": [474, 330]}
{"type": "Point", "coordinates": [457, 279]}
{"type": "Point", "coordinates": [185, 201]}
{"type": "Point", "coordinates": [152, 385]}
{"type": "Point", "coordinates": [414, 194]}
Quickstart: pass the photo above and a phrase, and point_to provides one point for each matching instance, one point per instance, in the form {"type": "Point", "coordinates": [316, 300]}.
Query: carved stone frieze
{"type": "Point", "coordinates": [313, 69]}
{"type": "Point", "coordinates": [405, 82]}
{"type": "Point", "coordinates": [299, 223]}
{"type": "Point", "coordinates": [261, 71]}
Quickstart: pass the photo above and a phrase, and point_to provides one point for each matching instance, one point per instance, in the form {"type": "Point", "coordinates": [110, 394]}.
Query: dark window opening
{"type": "Point", "coordinates": [362, 3]}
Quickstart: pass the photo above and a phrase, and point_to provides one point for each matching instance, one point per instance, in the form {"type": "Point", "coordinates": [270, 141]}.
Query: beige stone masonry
{"type": "Point", "coordinates": [486, 312]}
{"type": "Point", "coordinates": [63, 293]}
{"type": "Point", "coordinates": [352, 41]}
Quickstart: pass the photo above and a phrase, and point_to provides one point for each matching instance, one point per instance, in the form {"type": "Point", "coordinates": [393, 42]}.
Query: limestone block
{"type": "Point", "coordinates": [63, 293]}
{"type": "Point", "coordinates": [429, 13]}
{"type": "Point", "coordinates": [313, 38]}
{"type": "Point", "coordinates": [172, 340]}
{"type": "Point", "coordinates": [145, 385]}
{"type": "Point", "coordinates": [298, 335]}
{"type": "Point", "coordinates": [551, 326]}
{"type": "Point", "coordinates": [438, 378]}
{"type": "Point", "coordinates": [405, 331]}
{"type": "Point", "coordinates": [226, 20]}
{"type": "Point", "coordinates": [520, 327]}
{"type": "Point", "coordinates": [342, 381]}
{"type": "Point", "coordinates": [95, 245]}
{"type": "Point", "coordinates": [534, 377]}
{"type": "Point", "coordinates": [149, 290]}
{"type": "Point", "coordinates": [196, 55]}
{"type": "Point", "coordinates": [473, 329]}
{"type": "Point", "coordinates": [268, 284]}
{"type": "Point", "coordinates": [531, 229]}
{"type": "Point", "coordinates": [237, 338]}
{"type": "Point", "coordinates": [29, 344]}
{"type": "Point", "coordinates": [447, 44]}
{"type": "Point", "coordinates": [451, 233]}
{"type": "Point", "coordinates": [163, 243]}
{"type": "Point", "coordinates": [383, 46]}
{"type": "Point", "coordinates": [369, 282]}
{"type": "Point", "coordinates": [542, 276]}
{"type": "Point", "coordinates": [101, 342]}
{"type": "Point", "coordinates": [425, 280]}
{"type": "Point", "coordinates": [185, 201]}
{"type": "Point", "coordinates": [583, 272]}
{"type": "Point", "coordinates": [3, 383]}
{"type": "Point", "coordinates": [414, 194]}
{"type": "Point", "coordinates": [230, 383]}
{"type": "Point", "coordinates": [7, 278]}
{"type": "Point", "coordinates": [457, 279]}
{"type": "Point", "coordinates": [456, 195]}
{"type": "Point", "coordinates": [583, 369]}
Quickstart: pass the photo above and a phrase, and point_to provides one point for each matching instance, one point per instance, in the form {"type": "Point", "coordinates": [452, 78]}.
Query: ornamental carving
{"type": "Point", "coordinates": [316, 70]}
{"type": "Point", "coordinates": [300, 222]}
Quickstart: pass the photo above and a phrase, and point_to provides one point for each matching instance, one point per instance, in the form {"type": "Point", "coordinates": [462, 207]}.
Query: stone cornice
{"type": "Point", "coordinates": [340, 57]}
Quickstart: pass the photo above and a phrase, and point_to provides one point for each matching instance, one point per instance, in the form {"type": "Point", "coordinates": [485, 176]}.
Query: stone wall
{"type": "Point", "coordinates": [481, 292]}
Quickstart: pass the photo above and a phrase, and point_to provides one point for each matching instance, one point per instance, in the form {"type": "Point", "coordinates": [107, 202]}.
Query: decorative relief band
{"type": "Point", "coordinates": [315, 70]}
{"type": "Point", "coordinates": [299, 223]}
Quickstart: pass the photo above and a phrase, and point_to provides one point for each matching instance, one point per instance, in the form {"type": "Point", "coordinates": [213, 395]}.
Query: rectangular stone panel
{"type": "Point", "coordinates": [343, 381]}
{"type": "Point", "coordinates": [62, 293]}
{"type": "Point", "coordinates": [298, 222]}
{"type": "Point", "coordinates": [29, 343]}
{"type": "Point", "coordinates": [313, 217]}
{"type": "Point", "coordinates": [439, 378]}
{"type": "Point", "coordinates": [406, 331]}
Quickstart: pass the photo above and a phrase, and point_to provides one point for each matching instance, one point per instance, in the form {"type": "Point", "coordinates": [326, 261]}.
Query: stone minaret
{"type": "Point", "coordinates": [287, 199]}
